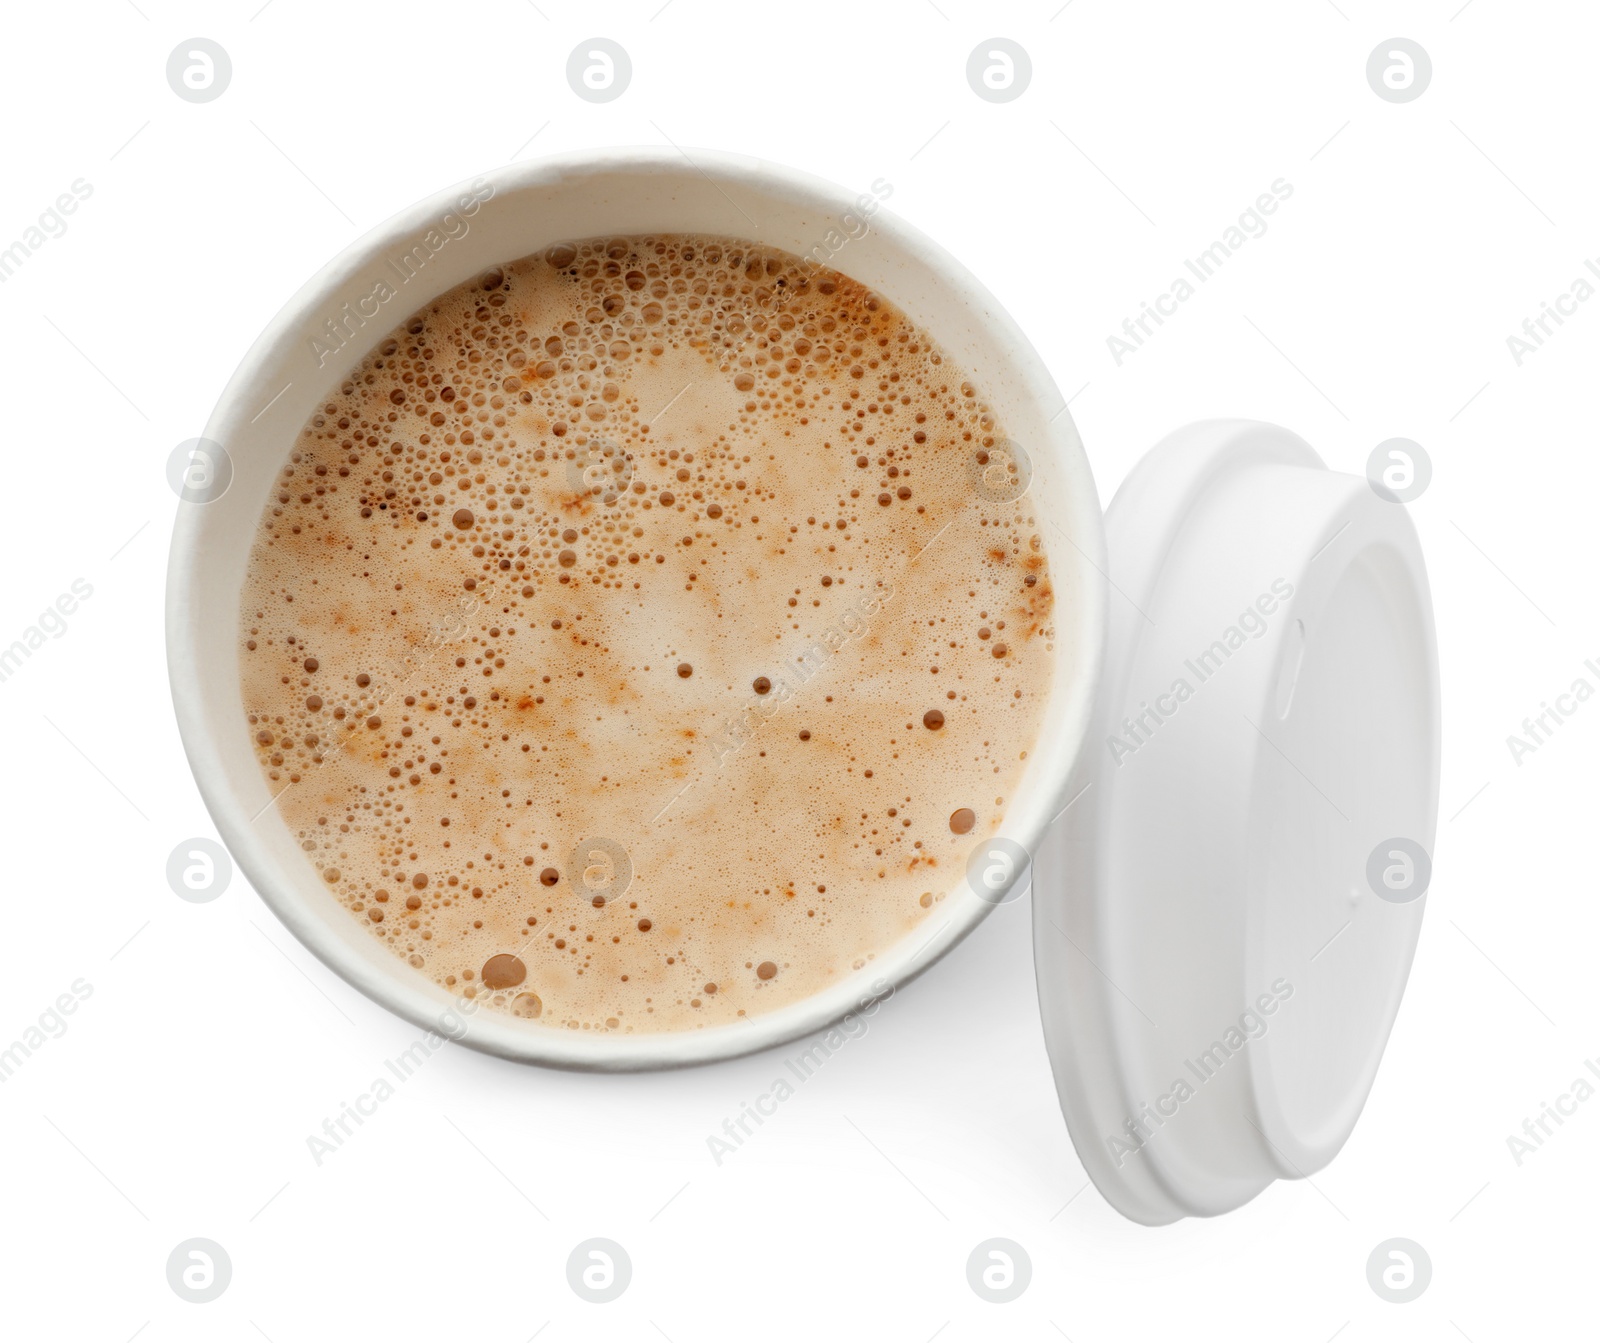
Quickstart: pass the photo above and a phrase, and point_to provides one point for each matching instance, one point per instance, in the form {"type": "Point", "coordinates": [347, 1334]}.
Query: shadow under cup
{"type": "Point", "coordinates": [341, 313]}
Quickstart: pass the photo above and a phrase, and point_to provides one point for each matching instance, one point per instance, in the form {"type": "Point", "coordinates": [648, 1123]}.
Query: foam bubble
{"type": "Point", "coordinates": [630, 639]}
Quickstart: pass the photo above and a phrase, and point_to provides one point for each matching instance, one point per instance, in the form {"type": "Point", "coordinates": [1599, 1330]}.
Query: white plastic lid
{"type": "Point", "coordinates": [1225, 914]}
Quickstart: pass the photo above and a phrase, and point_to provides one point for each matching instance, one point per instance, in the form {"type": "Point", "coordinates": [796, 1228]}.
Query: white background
{"type": "Point", "coordinates": [178, 1102]}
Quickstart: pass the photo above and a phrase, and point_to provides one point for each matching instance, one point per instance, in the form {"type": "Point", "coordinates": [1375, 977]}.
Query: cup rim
{"type": "Point", "coordinates": [430, 1006]}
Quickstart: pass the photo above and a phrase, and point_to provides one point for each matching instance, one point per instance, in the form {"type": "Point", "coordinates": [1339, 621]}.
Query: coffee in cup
{"type": "Point", "coordinates": [642, 636]}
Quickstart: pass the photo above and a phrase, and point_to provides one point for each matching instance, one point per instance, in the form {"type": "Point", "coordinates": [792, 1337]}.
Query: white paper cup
{"type": "Point", "coordinates": [345, 310]}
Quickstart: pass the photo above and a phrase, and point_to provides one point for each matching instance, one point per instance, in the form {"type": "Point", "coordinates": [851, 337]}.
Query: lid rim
{"type": "Point", "coordinates": [1150, 909]}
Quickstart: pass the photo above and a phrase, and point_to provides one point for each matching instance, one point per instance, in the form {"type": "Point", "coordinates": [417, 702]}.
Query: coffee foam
{"type": "Point", "coordinates": [629, 641]}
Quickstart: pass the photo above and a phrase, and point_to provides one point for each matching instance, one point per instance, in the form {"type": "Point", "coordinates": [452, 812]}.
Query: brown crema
{"type": "Point", "coordinates": [628, 640]}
